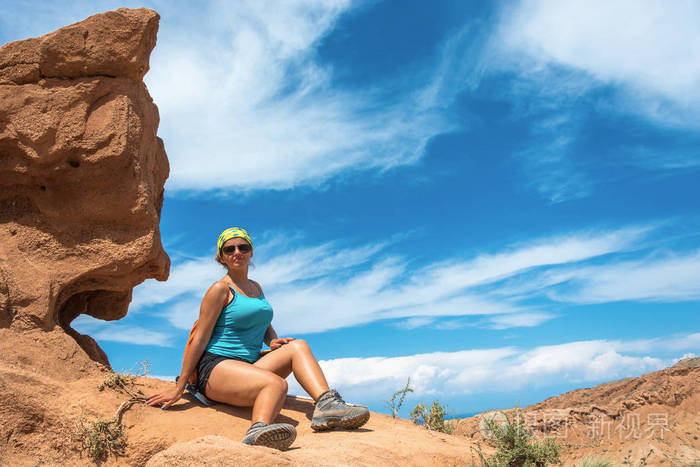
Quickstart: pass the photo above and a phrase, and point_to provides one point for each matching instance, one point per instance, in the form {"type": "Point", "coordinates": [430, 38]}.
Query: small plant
{"type": "Point", "coordinates": [100, 439]}
{"type": "Point", "coordinates": [592, 461]}
{"type": "Point", "coordinates": [433, 417]}
{"type": "Point", "coordinates": [104, 437]}
{"type": "Point", "coordinates": [117, 381]}
{"type": "Point", "coordinates": [125, 380]}
{"type": "Point", "coordinates": [395, 406]}
{"type": "Point", "coordinates": [517, 447]}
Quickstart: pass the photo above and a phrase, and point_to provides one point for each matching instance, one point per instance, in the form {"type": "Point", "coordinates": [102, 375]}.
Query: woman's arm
{"type": "Point", "coordinates": [271, 338]}
{"type": "Point", "coordinates": [212, 304]}
{"type": "Point", "coordinates": [269, 335]}
{"type": "Point", "coordinates": [273, 341]}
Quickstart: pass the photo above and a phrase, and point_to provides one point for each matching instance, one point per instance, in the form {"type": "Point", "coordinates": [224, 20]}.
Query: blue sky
{"type": "Point", "coordinates": [499, 200]}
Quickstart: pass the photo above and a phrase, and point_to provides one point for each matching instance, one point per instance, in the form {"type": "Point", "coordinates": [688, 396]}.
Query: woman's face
{"type": "Point", "coordinates": [236, 253]}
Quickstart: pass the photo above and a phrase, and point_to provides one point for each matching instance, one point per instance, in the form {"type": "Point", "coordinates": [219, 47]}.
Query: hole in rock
{"type": "Point", "coordinates": [102, 304]}
{"type": "Point", "coordinates": [73, 163]}
{"type": "Point", "coordinates": [42, 187]}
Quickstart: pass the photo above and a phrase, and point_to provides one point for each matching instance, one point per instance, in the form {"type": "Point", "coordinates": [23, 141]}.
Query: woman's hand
{"type": "Point", "coordinates": [166, 398]}
{"type": "Point", "coordinates": [279, 342]}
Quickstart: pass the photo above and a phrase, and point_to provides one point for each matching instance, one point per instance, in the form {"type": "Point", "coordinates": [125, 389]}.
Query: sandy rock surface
{"type": "Point", "coordinates": [383, 441]}
{"type": "Point", "coordinates": [43, 412]}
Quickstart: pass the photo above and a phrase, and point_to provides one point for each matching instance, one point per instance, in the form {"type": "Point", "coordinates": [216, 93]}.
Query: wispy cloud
{"type": "Point", "coordinates": [647, 50]}
{"type": "Point", "coordinates": [185, 278]}
{"type": "Point", "coordinates": [568, 63]}
{"type": "Point", "coordinates": [325, 287]}
{"type": "Point", "coordinates": [163, 378]}
{"type": "Point", "coordinates": [660, 344]}
{"type": "Point", "coordinates": [667, 278]}
{"type": "Point", "coordinates": [519, 320]}
{"type": "Point", "coordinates": [505, 368]}
{"type": "Point", "coordinates": [549, 163]}
{"type": "Point", "coordinates": [254, 87]}
{"type": "Point", "coordinates": [128, 334]}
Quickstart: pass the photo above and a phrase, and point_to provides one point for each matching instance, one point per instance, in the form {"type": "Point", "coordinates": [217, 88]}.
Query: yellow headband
{"type": "Point", "coordinates": [228, 234]}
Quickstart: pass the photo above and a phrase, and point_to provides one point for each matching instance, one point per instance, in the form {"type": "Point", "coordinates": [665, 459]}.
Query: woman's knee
{"type": "Point", "coordinates": [299, 345]}
{"type": "Point", "coordinates": [282, 383]}
{"type": "Point", "coordinates": [277, 382]}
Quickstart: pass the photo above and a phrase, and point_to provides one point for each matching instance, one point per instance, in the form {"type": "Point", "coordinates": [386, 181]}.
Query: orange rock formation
{"type": "Point", "coordinates": [81, 175]}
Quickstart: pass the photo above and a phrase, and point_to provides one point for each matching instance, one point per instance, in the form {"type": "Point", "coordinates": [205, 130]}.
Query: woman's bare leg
{"type": "Point", "coordinates": [296, 357]}
{"type": "Point", "coordinates": [242, 384]}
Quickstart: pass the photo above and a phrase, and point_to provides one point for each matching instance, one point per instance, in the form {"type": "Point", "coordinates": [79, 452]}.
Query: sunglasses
{"type": "Point", "coordinates": [230, 249]}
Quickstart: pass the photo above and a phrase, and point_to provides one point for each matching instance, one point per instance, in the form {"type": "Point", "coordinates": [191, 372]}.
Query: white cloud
{"type": "Point", "coordinates": [548, 163]}
{"type": "Point", "coordinates": [502, 369]}
{"type": "Point", "coordinates": [249, 106]}
{"type": "Point", "coordinates": [674, 159]}
{"type": "Point", "coordinates": [101, 330]}
{"type": "Point", "coordinates": [132, 335]}
{"type": "Point", "coordinates": [565, 61]}
{"type": "Point", "coordinates": [686, 342]}
{"type": "Point", "coordinates": [674, 344]}
{"type": "Point", "coordinates": [314, 262]}
{"type": "Point", "coordinates": [519, 320]}
{"type": "Point", "coordinates": [413, 323]}
{"type": "Point", "coordinates": [647, 50]}
{"type": "Point", "coordinates": [325, 287]}
{"type": "Point", "coordinates": [547, 251]}
{"type": "Point", "coordinates": [163, 378]}
{"type": "Point", "coordinates": [673, 277]}
{"type": "Point", "coordinates": [195, 275]}
{"type": "Point", "coordinates": [183, 313]}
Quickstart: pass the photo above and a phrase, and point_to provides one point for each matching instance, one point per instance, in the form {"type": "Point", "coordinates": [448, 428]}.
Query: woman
{"type": "Point", "coordinates": [225, 349]}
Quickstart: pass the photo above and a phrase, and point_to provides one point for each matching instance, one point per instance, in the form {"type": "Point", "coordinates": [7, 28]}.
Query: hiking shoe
{"type": "Point", "coordinates": [332, 411]}
{"type": "Point", "coordinates": [278, 435]}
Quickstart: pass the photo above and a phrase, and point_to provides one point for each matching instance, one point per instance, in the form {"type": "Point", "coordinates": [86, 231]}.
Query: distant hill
{"type": "Point", "coordinates": [650, 420]}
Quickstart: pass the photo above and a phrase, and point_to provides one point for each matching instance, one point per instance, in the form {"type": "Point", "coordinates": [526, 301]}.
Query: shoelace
{"type": "Point", "coordinates": [332, 398]}
{"type": "Point", "coordinates": [255, 426]}
{"type": "Point", "coordinates": [337, 397]}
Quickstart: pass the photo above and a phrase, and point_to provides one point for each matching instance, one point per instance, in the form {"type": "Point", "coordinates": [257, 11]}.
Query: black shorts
{"type": "Point", "coordinates": [206, 363]}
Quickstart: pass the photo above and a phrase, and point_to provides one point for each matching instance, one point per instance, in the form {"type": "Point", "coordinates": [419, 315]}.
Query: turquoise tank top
{"type": "Point", "coordinates": [240, 329]}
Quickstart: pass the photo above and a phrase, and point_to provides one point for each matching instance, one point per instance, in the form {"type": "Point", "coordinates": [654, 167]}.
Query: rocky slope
{"type": "Point", "coordinates": [191, 434]}
{"type": "Point", "coordinates": [650, 420]}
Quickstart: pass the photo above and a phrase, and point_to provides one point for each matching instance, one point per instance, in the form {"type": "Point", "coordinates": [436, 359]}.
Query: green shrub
{"type": "Point", "coordinates": [393, 405]}
{"type": "Point", "coordinates": [104, 437]}
{"type": "Point", "coordinates": [100, 439]}
{"type": "Point", "coordinates": [592, 461]}
{"type": "Point", "coordinates": [125, 379]}
{"type": "Point", "coordinates": [517, 447]}
{"type": "Point", "coordinates": [432, 417]}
